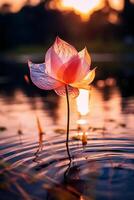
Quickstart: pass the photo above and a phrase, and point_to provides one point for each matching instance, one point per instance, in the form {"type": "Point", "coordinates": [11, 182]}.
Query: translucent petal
{"type": "Point", "coordinates": [53, 62]}
{"type": "Point", "coordinates": [76, 68]}
{"type": "Point", "coordinates": [64, 50]}
{"type": "Point", "coordinates": [85, 64]}
{"type": "Point", "coordinates": [84, 84]}
{"type": "Point", "coordinates": [58, 54]}
{"type": "Point", "coordinates": [69, 71]}
{"type": "Point", "coordinates": [85, 56]}
{"type": "Point", "coordinates": [90, 76]}
{"type": "Point", "coordinates": [40, 78]}
{"type": "Point", "coordinates": [74, 92]}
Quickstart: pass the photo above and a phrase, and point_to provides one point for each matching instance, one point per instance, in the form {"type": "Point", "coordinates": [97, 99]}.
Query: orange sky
{"type": "Point", "coordinates": [16, 5]}
{"type": "Point", "coordinates": [84, 8]}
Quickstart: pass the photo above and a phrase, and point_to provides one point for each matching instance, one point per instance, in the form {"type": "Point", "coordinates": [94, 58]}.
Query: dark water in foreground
{"type": "Point", "coordinates": [103, 169]}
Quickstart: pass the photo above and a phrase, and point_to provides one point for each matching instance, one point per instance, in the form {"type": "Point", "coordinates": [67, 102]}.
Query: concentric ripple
{"type": "Point", "coordinates": [103, 161]}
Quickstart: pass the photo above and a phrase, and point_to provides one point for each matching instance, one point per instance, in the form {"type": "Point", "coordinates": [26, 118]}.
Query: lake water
{"type": "Point", "coordinates": [102, 169]}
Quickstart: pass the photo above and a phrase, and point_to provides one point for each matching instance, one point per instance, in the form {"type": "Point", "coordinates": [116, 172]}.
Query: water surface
{"type": "Point", "coordinates": [102, 169]}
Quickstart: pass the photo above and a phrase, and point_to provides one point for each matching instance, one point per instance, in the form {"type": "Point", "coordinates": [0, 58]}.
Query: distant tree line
{"type": "Point", "coordinates": [37, 25]}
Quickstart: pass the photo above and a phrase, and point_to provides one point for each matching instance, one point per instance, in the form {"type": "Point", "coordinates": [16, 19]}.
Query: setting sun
{"type": "Point", "coordinates": [84, 8]}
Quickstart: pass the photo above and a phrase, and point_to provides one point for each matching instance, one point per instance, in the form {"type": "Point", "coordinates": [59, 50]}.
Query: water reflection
{"type": "Point", "coordinates": [97, 110]}
{"type": "Point", "coordinates": [20, 134]}
{"type": "Point", "coordinates": [104, 121]}
{"type": "Point", "coordinates": [83, 102]}
{"type": "Point", "coordinates": [40, 140]}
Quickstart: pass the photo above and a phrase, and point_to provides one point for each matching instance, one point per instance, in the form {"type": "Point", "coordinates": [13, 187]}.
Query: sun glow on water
{"type": "Point", "coordinates": [83, 102]}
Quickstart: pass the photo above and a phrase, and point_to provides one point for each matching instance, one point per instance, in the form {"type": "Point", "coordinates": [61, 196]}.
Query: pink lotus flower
{"type": "Point", "coordinates": [63, 66]}
{"type": "Point", "coordinates": [65, 70]}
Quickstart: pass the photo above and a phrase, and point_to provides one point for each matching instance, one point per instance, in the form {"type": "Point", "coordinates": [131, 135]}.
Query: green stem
{"type": "Point", "coordinates": [68, 120]}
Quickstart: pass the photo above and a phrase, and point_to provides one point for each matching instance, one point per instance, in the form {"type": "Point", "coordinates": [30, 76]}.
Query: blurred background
{"type": "Point", "coordinates": [30, 117]}
{"type": "Point", "coordinates": [25, 23]}
{"type": "Point", "coordinates": [29, 27]}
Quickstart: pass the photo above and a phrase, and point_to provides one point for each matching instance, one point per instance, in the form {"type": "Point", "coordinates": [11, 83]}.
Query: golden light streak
{"type": "Point", "coordinates": [83, 102]}
{"type": "Point", "coordinates": [81, 121]}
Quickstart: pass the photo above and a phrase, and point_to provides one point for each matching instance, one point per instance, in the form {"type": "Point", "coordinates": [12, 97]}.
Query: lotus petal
{"type": "Point", "coordinates": [40, 78]}
{"type": "Point", "coordinates": [60, 53]}
{"type": "Point", "coordinates": [85, 64]}
{"type": "Point", "coordinates": [85, 56]}
{"type": "Point", "coordinates": [74, 92]}
{"type": "Point", "coordinates": [64, 50]}
{"type": "Point", "coordinates": [69, 71]}
{"type": "Point", "coordinates": [90, 76]}
{"type": "Point", "coordinates": [76, 68]}
{"type": "Point", "coordinates": [53, 62]}
{"type": "Point", "coordinates": [84, 84]}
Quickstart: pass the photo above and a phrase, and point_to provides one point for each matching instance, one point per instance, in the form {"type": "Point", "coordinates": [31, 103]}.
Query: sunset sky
{"type": "Point", "coordinates": [84, 8]}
